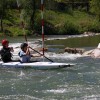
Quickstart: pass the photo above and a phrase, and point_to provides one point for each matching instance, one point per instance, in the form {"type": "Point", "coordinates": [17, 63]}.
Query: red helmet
{"type": "Point", "coordinates": [4, 42]}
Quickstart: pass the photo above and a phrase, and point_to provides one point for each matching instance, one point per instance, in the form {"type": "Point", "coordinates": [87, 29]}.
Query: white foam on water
{"type": "Point", "coordinates": [64, 56]}
{"type": "Point", "coordinates": [14, 45]}
{"type": "Point", "coordinates": [67, 36]}
{"type": "Point", "coordinates": [0, 47]}
{"type": "Point", "coordinates": [18, 97]}
{"type": "Point", "coordinates": [56, 91]}
{"type": "Point", "coordinates": [92, 97]}
{"type": "Point", "coordinates": [21, 74]}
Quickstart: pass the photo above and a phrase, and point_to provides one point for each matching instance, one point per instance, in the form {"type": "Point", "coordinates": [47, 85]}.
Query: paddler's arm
{"type": "Point", "coordinates": [11, 49]}
{"type": "Point", "coordinates": [28, 51]}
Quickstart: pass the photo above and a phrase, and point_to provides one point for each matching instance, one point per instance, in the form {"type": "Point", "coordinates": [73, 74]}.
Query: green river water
{"type": "Point", "coordinates": [80, 82]}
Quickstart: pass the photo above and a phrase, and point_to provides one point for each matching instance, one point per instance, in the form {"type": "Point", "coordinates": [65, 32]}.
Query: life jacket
{"type": "Point", "coordinates": [6, 54]}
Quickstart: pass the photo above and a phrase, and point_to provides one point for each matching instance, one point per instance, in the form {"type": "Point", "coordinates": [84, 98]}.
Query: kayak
{"type": "Point", "coordinates": [36, 65]}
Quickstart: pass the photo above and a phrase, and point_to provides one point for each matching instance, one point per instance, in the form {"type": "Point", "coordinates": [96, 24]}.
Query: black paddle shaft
{"type": "Point", "coordinates": [42, 55]}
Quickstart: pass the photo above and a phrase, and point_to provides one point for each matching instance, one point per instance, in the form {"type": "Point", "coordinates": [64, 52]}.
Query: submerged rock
{"type": "Point", "coordinates": [74, 50]}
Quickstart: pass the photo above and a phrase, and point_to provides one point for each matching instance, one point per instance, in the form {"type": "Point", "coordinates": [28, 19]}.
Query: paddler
{"type": "Point", "coordinates": [24, 54]}
{"type": "Point", "coordinates": [5, 52]}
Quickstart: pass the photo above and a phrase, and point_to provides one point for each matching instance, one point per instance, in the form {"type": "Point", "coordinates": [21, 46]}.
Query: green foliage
{"type": "Point", "coordinates": [56, 21]}
{"type": "Point", "coordinates": [94, 27]}
{"type": "Point", "coordinates": [67, 28]}
{"type": "Point", "coordinates": [14, 31]}
{"type": "Point", "coordinates": [63, 23]}
{"type": "Point", "coordinates": [95, 7]}
{"type": "Point", "coordinates": [28, 12]}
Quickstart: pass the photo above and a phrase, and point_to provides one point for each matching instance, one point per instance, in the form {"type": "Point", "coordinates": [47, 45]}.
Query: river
{"type": "Point", "coordinates": [80, 82]}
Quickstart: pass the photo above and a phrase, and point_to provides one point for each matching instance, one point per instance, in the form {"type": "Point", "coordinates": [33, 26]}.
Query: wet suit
{"type": "Point", "coordinates": [6, 54]}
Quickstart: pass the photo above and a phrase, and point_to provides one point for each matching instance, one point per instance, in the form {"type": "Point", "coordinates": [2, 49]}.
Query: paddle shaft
{"type": "Point", "coordinates": [42, 54]}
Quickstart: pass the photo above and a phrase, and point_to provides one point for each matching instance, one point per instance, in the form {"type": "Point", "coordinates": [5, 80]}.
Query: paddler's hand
{"type": "Point", "coordinates": [11, 48]}
{"type": "Point", "coordinates": [41, 55]}
{"type": "Point", "coordinates": [28, 47]}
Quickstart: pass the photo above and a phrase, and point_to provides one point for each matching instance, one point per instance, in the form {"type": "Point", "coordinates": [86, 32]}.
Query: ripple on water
{"type": "Point", "coordinates": [19, 97]}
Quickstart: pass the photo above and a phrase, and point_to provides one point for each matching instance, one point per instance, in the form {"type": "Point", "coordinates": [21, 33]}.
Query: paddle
{"type": "Point", "coordinates": [42, 54]}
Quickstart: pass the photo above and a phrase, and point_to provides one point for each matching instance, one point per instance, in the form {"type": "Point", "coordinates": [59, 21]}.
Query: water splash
{"type": "Point", "coordinates": [64, 56]}
{"type": "Point", "coordinates": [52, 55]}
{"type": "Point", "coordinates": [21, 74]}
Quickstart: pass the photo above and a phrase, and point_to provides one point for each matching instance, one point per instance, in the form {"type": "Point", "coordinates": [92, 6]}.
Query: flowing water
{"type": "Point", "coordinates": [80, 82]}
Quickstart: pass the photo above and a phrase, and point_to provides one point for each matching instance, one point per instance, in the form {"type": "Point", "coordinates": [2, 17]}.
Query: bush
{"type": "Point", "coordinates": [94, 27]}
{"type": "Point", "coordinates": [15, 31]}
{"type": "Point", "coordinates": [89, 25]}
{"type": "Point", "coordinates": [67, 28]}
